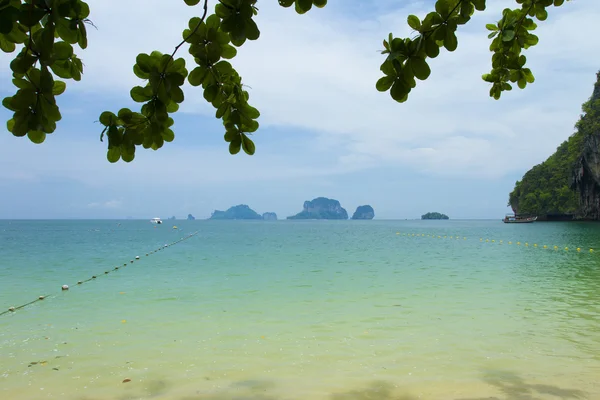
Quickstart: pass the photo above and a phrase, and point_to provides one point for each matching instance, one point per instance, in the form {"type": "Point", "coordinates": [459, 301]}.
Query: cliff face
{"type": "Point", "coordinates": [586, 174]}
{"type": "Point", "coordinates": [321, 208]}
{"type": "Point", "coordinates": [364, 212]}
{"type": "Point", "coordinates": [568, 182]}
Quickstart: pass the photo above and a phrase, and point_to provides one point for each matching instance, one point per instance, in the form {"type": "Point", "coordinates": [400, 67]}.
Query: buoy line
{"type": "Point", "coordinates": [498, 242]}
{"type": "Point", "coordinates": [12, 309]}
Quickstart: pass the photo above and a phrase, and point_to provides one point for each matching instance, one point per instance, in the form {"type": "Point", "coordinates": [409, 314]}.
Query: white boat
{"type": "Point", "coordinates": [156, 220]}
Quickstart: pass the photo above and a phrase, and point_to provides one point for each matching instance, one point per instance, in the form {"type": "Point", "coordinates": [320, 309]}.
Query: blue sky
{"type": "Point", "coordinates": [325, 130]}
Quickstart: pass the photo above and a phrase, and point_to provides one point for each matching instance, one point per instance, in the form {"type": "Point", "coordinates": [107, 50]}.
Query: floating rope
{"type": "Point", "coordinates": [494, 241]}
{"type": "Point", "coordinates": [79, 283]}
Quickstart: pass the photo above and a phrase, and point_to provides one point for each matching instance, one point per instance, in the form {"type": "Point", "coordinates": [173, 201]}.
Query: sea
{"type": "Point", "coordinates": [290, 310]}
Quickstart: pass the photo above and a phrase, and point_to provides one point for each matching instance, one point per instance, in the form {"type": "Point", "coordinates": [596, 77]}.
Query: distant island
{"type": "Point", "coordinates": [434, 215]}
{"type": "Point", "coordinates": [269, 216]}
{"type": "Point", "coordinates": [172, 218]}
{"type": "Point", "coordinates": [241, 211]}
{"type": "Point", "coordinates": [190, 217]}
{"type": "Point", "coordinates": [364, 212]}
{"type": "Point", "coordinates": [321, 208]}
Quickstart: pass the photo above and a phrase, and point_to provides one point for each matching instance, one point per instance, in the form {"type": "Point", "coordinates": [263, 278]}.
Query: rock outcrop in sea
{"type": "Point", "coordinates": [321, 208]}
{"type": "Point", "coordinates": [364, 212]}
{"type": "Point", "coordinates": [269, 216]}
{"type": "Point", "coordinates": [241, 211]}
{"type": "Point", "coordinates": [434, 215]}
{"type": "Point", "coordinates": [190, 217]}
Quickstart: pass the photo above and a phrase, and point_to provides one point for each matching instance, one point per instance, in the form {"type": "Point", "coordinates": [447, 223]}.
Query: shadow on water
{"type": "Point", "coordinates": [514, 387]}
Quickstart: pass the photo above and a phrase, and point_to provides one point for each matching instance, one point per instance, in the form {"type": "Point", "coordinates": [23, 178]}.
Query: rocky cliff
{"type": "Point", "coordinates": [364, 212]}
{"type": "Point", "coordinates": [190, 217]}
{"type": "Point", "coordinates": [321, 208]}
{"type": "Point", "coordinates": [567, 184]}
{"type": "Point", "coordinates": [586, 174]}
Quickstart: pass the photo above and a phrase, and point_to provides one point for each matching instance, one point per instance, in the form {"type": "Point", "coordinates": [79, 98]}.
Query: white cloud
{"type": "Point", "coordinates": [317, 72]}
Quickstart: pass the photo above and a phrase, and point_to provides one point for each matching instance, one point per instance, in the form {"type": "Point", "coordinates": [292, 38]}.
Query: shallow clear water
{"type": "Point", "coordinates": [340, 310]}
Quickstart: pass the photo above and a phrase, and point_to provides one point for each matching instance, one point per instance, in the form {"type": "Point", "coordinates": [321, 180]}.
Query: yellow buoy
{"type": "Point", "coordinates": [555, 247]}
{"type": "Point", "coordinates": [493, 241]}
{"type": "Point", "coordinates": [526, 244]}
{"type": "Point", "coordinates": [487, 240]}
{"type": "Point", "coordinates": [518, 243]}
{"type": "Point", "coordinates": [535, 245]}
{"type": "Point", "coordinates": [566, 249]}
{"type": "Point", "coordinates": [591, 250]}
{"type": "Point", "coordinates": [578, 249]}
{"type": "Point", "coordinates": [174, 227]}
{"type": "Point", "coordinates": [509, 242]}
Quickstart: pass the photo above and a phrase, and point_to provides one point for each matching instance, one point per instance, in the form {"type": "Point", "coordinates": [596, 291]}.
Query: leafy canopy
{"type": "Point", "coordinates": [45, 32]}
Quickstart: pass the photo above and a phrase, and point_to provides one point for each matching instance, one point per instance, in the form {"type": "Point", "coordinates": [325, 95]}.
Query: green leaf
{"type": "Point", "coordinates": [302, 6]}
{"type": "Point", "coordinates": [399, 91]}
{"type": "Point", "coordinates": [191, 2]}
{"type": "Point", "coordinates": [36, 137]}
{"type": "Point", "coordinates": [492, 34]}
{"type": "Point", "coordinates": [141, 94]}
{"type": "Point", "coordinates": [385, 83]}
{"type": "Point", "coordinates": [431, 48]}
{"type": "Point", "coordinates": [491, 27]}
{"type": "Point", "coordinates": [541, 14]}
{"type": "Point", "coordinates": [58, 88]}
{"type": "Point", "coordinates": [6, 46]}
{"type": "Point", "coordinates": [414, 22]}
{"type": "Point", "coordinates": [168, 135]}
{"type": "Point", "coordinates": [228, 51]}
{"type": "Point", "coordinates": [508, 35]}
{"type": "Point", "coordinates": [248, 145]}
{"type": "Point", "coordinates": [420, 68]}
{"type": "Point", "coordinates": [113, 154]}
{"type": "Point", "coordinates": [235, 145]}
{"type": "Point", "coordinates": [210, 93]}
{"type": "Point", "coordinates": [108, 119]}
{"type": "Point", "coordinates": [450, 42]}
{"type": "Point", "coordinates": [252, 32]}
{"type": "Point", "coordinates": [30, 16]}
{"type": "Point", "coordinates": [320, 3]}
{"type": "Point", "coordinates": [442, 7]}
{"type": "Point", "coordinates": [196, 77]}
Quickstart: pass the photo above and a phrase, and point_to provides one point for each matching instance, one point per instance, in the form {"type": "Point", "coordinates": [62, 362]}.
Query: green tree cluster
{"type": "Point", "coordinates": [45, 32]}
{"type": "Point", "coordinates": [546, 188]}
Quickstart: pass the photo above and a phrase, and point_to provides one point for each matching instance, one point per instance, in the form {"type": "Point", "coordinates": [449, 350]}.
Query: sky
{"type": "Point", "coordinates": [325, 129]}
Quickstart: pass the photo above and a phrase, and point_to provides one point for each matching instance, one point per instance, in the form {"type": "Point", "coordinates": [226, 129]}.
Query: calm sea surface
{"type": "Point", "coordinates": [290, 310]}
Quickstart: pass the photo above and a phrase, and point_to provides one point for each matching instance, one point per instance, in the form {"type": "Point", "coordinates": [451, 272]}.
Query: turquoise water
{"type": "Point", "coordinates": [337, 310]}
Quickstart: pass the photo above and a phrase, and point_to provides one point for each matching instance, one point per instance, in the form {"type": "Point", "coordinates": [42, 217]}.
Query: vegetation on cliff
{"type": "Point", "coordinates": [547, 188]}
{"type": "Point", "coordinates": [434, 215]}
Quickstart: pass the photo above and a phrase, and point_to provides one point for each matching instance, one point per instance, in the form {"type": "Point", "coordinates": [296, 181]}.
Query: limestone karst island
{"type": "Point", "coordinates": [318, 208]}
